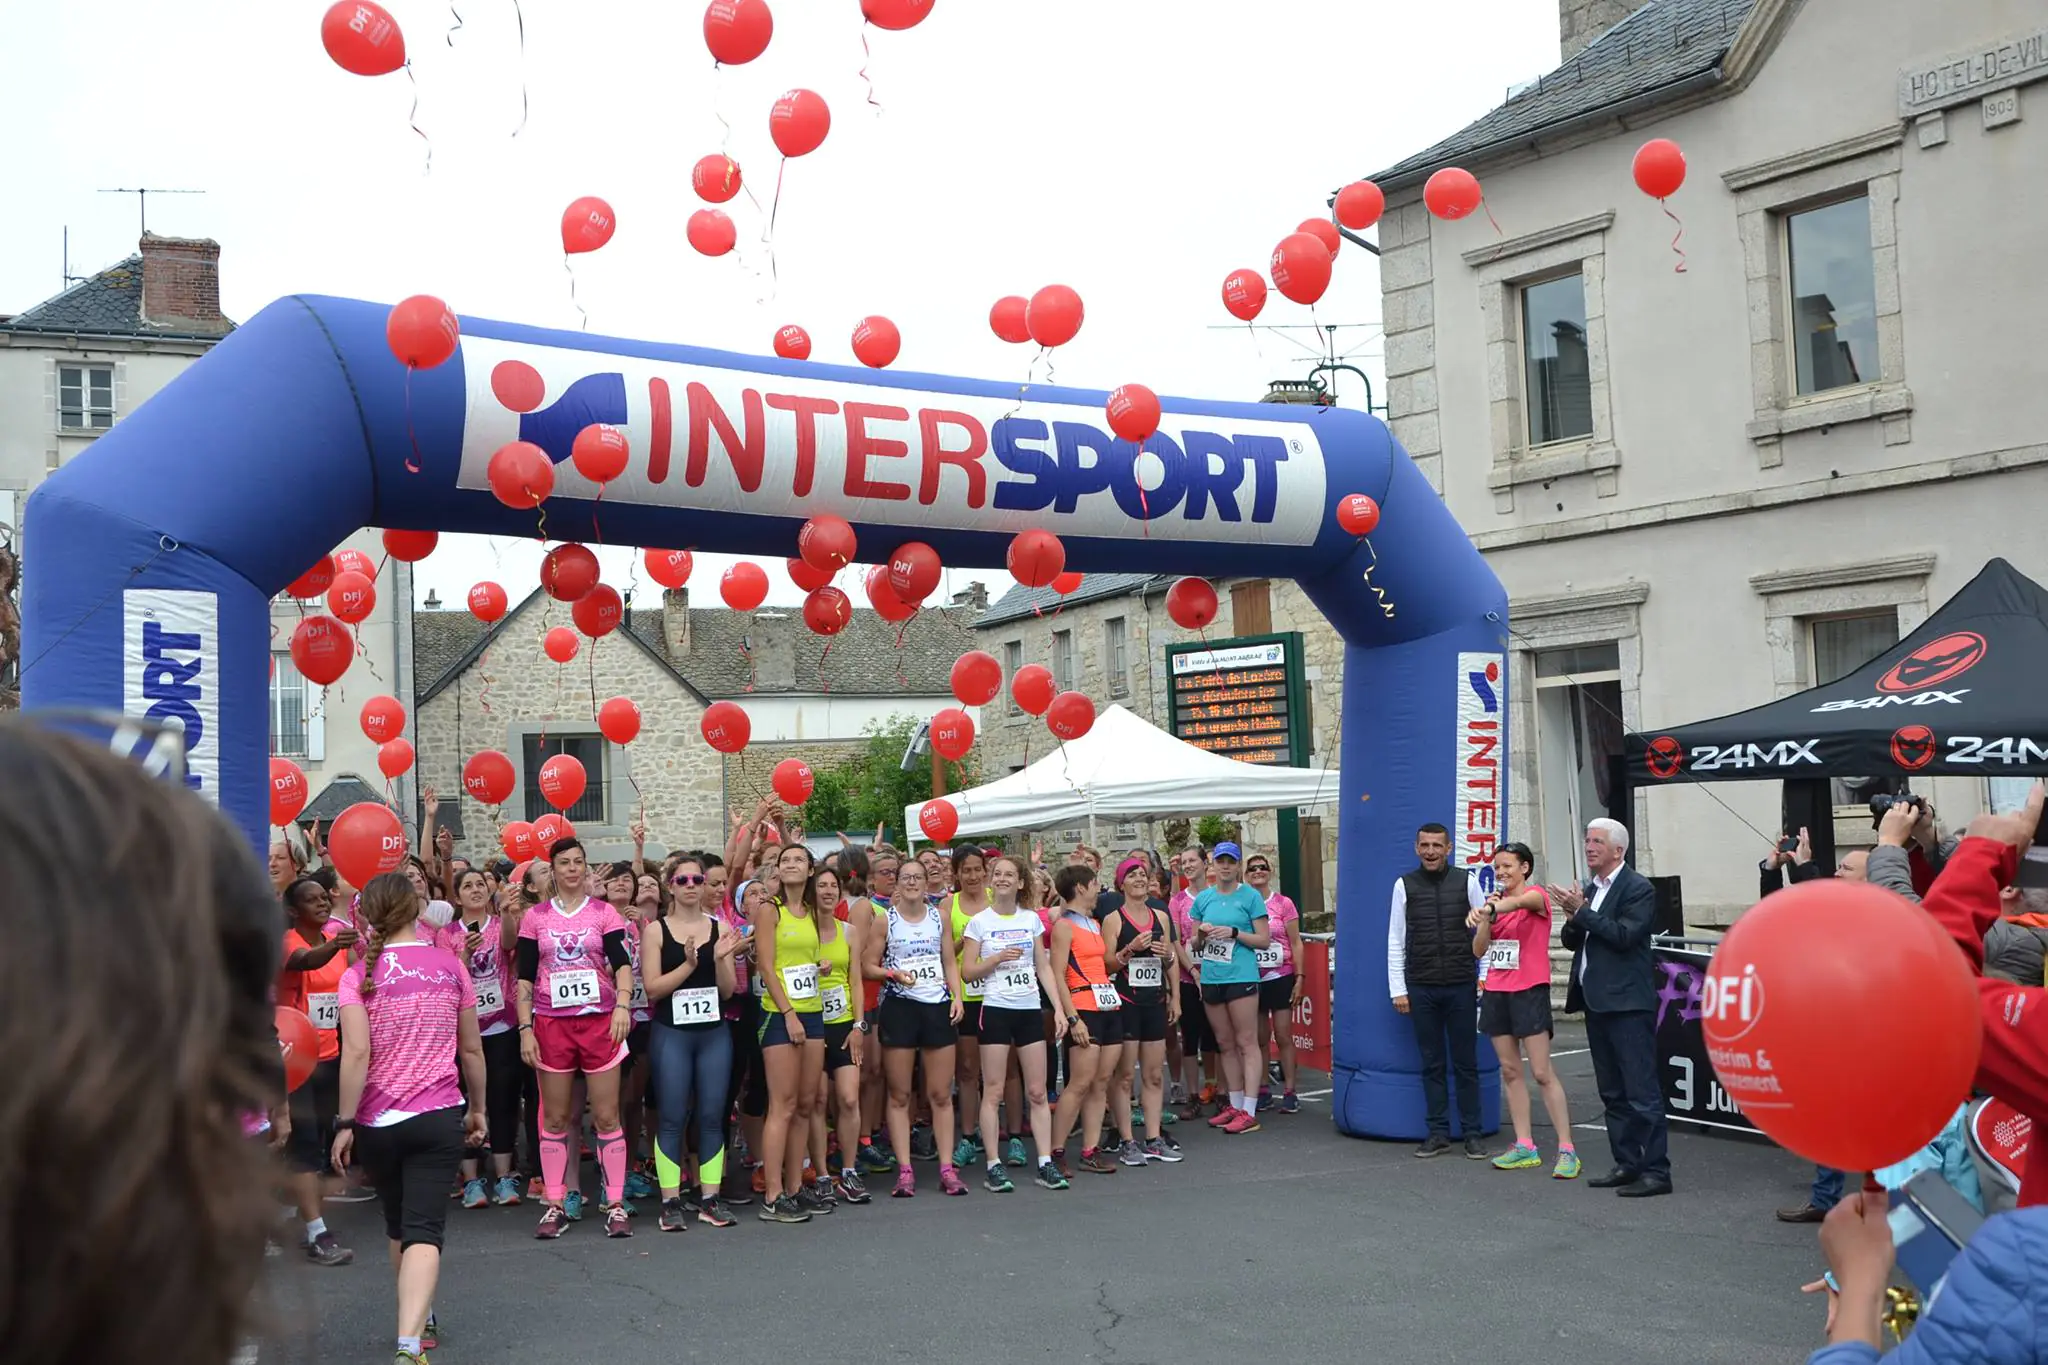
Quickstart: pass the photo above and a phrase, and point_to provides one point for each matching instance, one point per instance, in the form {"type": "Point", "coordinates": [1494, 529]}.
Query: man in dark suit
{"type": "Point", "coordinates": [1614, 982]}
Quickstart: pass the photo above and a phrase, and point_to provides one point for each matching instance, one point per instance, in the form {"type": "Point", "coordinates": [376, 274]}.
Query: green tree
{"type": "Point", "coordinates": [877, 788]}
{"type": "Point", "coordinates": [1214, 829]}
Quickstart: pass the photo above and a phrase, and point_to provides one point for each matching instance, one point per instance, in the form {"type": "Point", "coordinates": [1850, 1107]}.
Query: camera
{"type": "Point", "coordinates": [1884, 801]}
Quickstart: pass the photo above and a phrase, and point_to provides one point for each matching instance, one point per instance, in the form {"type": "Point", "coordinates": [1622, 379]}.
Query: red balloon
{"type": "Point", "coordinates": [1070, 716]}
{"type": "Point", "coordinates": [716, 178]}
{"type": "Point", "coordinates": [1191, 602]}
{"type": "Point", "coordinates": [1773, 1005]}
{"type": "Point", "coordinates": [883, 598]}
{"type": "Point", "coordinates": [827, 610]}
{"type": "Point", "coordinates": [568, 571]}
{"type": "Point", "coordinates": [793, 781]}
{"type": "Point", "coordinates": [600, 452]}
{"type": "Point", "coordinates": [1357, 514]}
{"type": "Point", "coordinates": [977, 678]}
{"type": "Point", "coordinates": [488, 602]}
{"type": "Point", "coordinates": [1036, 557]}
{"type": "Point", "coordinates": [487, 777]}
{"type": "Point", "coordinates": [939, 820]}
{"type": "Point", "coordinates": [394, 758]}
{"type": "Point", "coordinates": [521, 474]}
{"type": "Point", "coordinates": [876, 342]}
{"type": "Point", "coordinates": [366, 841]}
{"type": "Point", "coordinates": [726, 727]}
{"type": "Point", "coordinates": [711, 231]}
{"type": "Point", "coordinates": [355, 561]}
{"type": "Point", "coordinates": [669, 568]}
{"type": "Point", "coordinates": [618, 720]}
{"type": "Point", "coordinates": [550, 830]}
{"type": "Point", "coordinates": [806, 577]}
{"type": "Point", "coordinates": [517, 841]}
{"type": "Point", "coordinates": [913, 570]}
{"type": "Point", "coordinates": [1659, 168]}
{"type": "Point", "coordinates": [744, 586]}
{"type": "Point", "coordinates": [1031, 687]}
{"type": "Point", "coordinates": [562, 781]}
{"type": "Point", "coordinates": [799, 122]}
{"type": "Point", "coordinates": [561, 644]}
{"type": "Point", "coordinates": [952, 733]}
{"type": "Point", "coordinates": [383, 718]}
{"type": "Point", "coordinates": [1006, 319]}
{"type": "Point", "coordinates": [1133, 413]}
{"type": "Point", "coordinates": [299, 1042]}
{"type": "Point", "coordinates": [421, 332]}
{"type": "Point", "coordinates": [322, 649]}
{"type": "Point", "coordinates": [352, 598]}
{"type": "Point", "coordinates": [315, 581]}
{"type": "Point", "coordinates": [1066, 583]}
{"type": "Point", "coordinates": [895, 14]}
{"type": "Point", "coordinates": [1324, 231]}
{"type": "Point", "coordinates": [1053, 317]}
{"type": "Point", "coordinates": [826, 542]}
{"type": "Point", "coordinates": [1360, 204]}
{"type": "Point", "coordinates": [1301, 267]}
{"type": "Point", "coordinates": [518, 385]}
{"type": "Point", "coordinates": [587, 224]}
{"type": "Point", "coordinates": [737, 31]}
{"type": "Point", "coordinates": [287, 791]}
{"type": "Point", "coordinates": [1451, 193]}
{"type": "Point", "coordinates": [1244, 294]}
{"type": "Point", "coordinates": [793, 343]}
{"type": "Point", "coordinates": [363, 39]}
{"type": "Point", "coordinates": [598, 612]}
{"type": "Point", "coordinates": [410, 547]}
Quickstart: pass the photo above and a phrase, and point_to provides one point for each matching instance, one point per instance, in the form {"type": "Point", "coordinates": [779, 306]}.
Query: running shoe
{"type": "Point", "coordinates": [1131, 1154]}
{"type": "Point", "coordinates": [1243, 1121]}
{"type": "Point", "coordinates": [906, 1184]}
{"type": "Point", "coordinates": [408, 1358]}
{"type": "Point", "coordinates": [1290, 1103]}
{"type": "Point", "coordinates": [1137, 1115]}
{"type": "Point", "coordinates": [1014, 1153]}
{"type": "Point", "coordinates": [1155, 1149]}
{"type": "Point", "coordinates": [1475, 1150]}
{"type": "Point", "coordinates": [1520, 1157]}
{"type": "Point", "coordinates": [506, 1192]}
{"type": "Point", "coordinates": [572, 1206]}
{"type": "Point", "coordinates": [638, 1186]}
{"type": "Point", "coordinates": [922, 1145]}
{"type": "Point", "coordinates": [1059, 1163]}
{"type": "Point", "coordinates": [617, 1222]}
{"type": "Point", "coordinates": [473, 1196]}
{"type": "Point", "coordinates": [1436, 1144]}
{"type": "Point", "coordinates": [811, 1201]}
{"type": "Point", "coordinates": [1176, 1093]}
{"type": "Point", "coordinates": [536, 1188]}
{"type": "Point", "coordinates": [1167, 1118]}
{"type": "Point", "coordinates": [714, 1212]}
{"type": "Point", "coordinates": [1051, 1176]}
{"type": "Point", "coordinates": [874, 1161]}
{"type": "Point", "coordinates": [1096, 1163]}
{"type": "Point", "coordinates": [783, 1210]}
{"type": "Point", "coordinates": [430, 1335]}
{"type": "Point", "coordinates": [850, 1187]}
{"type": "Point", "coordinates": [632, 1209]}
{"type": "Point", "coordinates": [1567, 1166]}
{"type": "Point", "coordinates": [674, 1217]}
{"type": "Point", "coordinates": [1166, 1139]}
{"type": "Point", "coordinates": [324, 1250]}
{"type": "Point", "coordinates": [736, 1191]}
{"type": "Point", "coordinates": [760, 1180]}
{"type": "Point", "coordinates": [1208, 1095]}
{"type": "Point", "coordinates": [950, 1182]}
{"type": "Point", "coordinates": [998, 1181]}
{"type": "Point", "coordinates": [1188, 1109]}
{"type": "Point", "coordinates": [1224, 1118]}
{"type": "Point", "coordinates": [690, 1199]}
{"type": "Point", "coordinates": [1265, 1099]}
{"type": "Point", "coordinates": [963, 1151]}
{"type": "Point", "coordinates": [553, 1223]}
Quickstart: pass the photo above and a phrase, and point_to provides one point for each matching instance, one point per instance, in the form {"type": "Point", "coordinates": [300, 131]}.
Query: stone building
{"type": "Point", "coordinates": [1708, 487]}
{"type": "Point", "coordinates": [493, 688]}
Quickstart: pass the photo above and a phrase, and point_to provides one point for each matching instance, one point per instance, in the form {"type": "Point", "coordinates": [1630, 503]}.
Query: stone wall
{"type": "Point", "coordinates": [1579, 22]}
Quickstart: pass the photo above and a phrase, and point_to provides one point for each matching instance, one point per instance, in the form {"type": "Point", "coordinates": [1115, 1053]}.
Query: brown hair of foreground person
{"type": "Point", "coordinates": [137, 1032]}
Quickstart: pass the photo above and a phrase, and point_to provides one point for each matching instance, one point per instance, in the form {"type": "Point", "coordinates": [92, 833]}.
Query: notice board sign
{"type": "Point", "coordinates": [1245, 698]}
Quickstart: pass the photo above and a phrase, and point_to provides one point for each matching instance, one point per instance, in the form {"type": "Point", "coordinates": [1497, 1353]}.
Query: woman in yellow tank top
{"type": "Point", "coordinates": [792, 1037]}
{"type": "Point", "coordinates": [845, 1038]}
{"type": "Point", "coordinates": [970, 875]}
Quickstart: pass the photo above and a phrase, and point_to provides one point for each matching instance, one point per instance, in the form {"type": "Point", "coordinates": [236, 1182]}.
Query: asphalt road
{"type": "Point", "coordinates": [1293, 1243]}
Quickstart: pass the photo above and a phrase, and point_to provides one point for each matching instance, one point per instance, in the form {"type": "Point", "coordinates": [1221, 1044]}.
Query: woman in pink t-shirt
{"type": "Point", "coordinates": [1280, 981]}
{"type": "Point", "coordinates": [408, 1016]}
{"type": "Point", "coordinates": [1511, 934]}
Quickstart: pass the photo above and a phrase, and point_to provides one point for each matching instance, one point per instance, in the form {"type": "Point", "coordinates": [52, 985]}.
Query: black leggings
{"type": "Point", "coordinates": [412, 1164]}
{"type": "Point", "coordinates": [749, 1081]}
{"type": "Point", "coordinates": [502, 1072]}
{"type": "Point", "coordinates": [690, 1078]}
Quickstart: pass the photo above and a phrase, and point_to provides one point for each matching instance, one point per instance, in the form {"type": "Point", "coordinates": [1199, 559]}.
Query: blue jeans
{"type": "Point", "coordinates": [1827, 1188]}
{"type": "Point", "coordinates": [1446, 1031]}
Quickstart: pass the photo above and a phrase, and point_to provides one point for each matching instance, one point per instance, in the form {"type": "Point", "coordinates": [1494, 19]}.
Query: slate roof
{"type": "Point", "coordinates": [1664, 45]}
{"type": "Point", "coordinates": [1021, 601]}
{"type": "Point", "coordinates": [106, 304]}
{"type": "Point", "coordinates": [338, 795]}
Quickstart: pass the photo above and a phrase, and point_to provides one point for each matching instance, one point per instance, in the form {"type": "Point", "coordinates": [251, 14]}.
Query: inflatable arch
{"type": "Point", "coordinates": [157, 552]}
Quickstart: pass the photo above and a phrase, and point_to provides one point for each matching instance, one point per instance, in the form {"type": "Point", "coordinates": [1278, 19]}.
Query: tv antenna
{"type": "Point", "coordinates": [142, 200]}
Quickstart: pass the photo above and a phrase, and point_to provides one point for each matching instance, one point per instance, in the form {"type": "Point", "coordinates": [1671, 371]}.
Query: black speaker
{"type": "Point", "coordinates": [1670, 913]}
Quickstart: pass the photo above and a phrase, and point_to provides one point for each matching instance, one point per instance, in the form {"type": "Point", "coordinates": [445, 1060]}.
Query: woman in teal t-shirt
{"type": "Point", "coordinates": [1230, 926]}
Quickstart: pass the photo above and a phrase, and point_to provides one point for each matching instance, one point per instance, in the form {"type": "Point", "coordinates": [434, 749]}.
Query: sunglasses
{"type": "Point", "coordinates": [1258, 867]}
{"type": "Point", "coordinates": [685, 879]}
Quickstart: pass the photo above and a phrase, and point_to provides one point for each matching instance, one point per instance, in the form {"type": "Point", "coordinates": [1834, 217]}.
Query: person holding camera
{"type": "Point", "coordinates": [1791, 862]}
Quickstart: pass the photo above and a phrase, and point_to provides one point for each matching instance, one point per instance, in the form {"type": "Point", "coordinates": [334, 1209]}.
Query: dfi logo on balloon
{"type": "Point", "coordinates": [1731, 1006]}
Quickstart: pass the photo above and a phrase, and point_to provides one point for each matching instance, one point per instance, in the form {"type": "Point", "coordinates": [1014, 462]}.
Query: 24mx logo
{"type": "Point", "coordinates": [2005, 749]}
{"type": "Point", "coordinates": [1786, 753]}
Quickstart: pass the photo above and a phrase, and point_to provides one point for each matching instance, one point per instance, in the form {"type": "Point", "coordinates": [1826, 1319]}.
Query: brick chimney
{"type": "Point", "coordinates": [1579, 22]}
{"type": "Point", "coordinates": [974, 597]}
{"type": "Point", "coordinates": [675, 623]}
{"type": "Point", "coordinates": [181, 284]}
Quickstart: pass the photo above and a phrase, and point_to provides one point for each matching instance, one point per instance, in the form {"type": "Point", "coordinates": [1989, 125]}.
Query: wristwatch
{"type": "Point", "coordinates": [866, 1026]}
{"type": "Point", "coordinates": [344, 1125]}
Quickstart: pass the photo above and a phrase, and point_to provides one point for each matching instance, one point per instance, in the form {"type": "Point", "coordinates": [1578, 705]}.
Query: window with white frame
{"type": "Point", "coordinates": [1063, 660]}
{"type": "Point", "coordinates": [587, 749]}
{"type": "Point", "coordinates": [1115, 656]}
{"type": "Point", "coordinates": [1838, 646]}
{"type": "Point", "coordinates": [85, 397]}
{"type": "Point", "coordinates": [1013, 659]}
{"type": "Point", "coordinates": [295, 728]}
{"type": "Point", "coordinates": [1833, 296]}
{"type": "Point", "coordinates": [1557, 370]}
{"type": "Point", "coordinates": [1578, 731]}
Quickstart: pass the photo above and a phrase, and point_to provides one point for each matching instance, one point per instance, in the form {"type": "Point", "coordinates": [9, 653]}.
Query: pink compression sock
{"type": "Point", "coordinates": [554, 1165]}
{"type": "Point", "coordinates": [611, 1160]}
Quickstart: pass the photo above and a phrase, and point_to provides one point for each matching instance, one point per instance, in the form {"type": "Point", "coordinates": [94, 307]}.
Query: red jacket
{"type": "Point", "coordinates": [2014, 1063]}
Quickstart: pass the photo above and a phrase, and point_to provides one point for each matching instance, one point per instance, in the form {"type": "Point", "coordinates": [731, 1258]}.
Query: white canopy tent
{"type": "Point", "coordinates": [1125, 768]}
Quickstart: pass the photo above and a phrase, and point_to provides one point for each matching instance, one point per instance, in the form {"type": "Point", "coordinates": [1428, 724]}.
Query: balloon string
{"type": "Point", "coordinates": [572, 290]}
{"type": "Point", "coordinates": [590, 662]}
{"type": "Point", "coordinates": [363, 653]}
{"type": "Point", "coordinates": [597, 505]}
{"type": "Point", "coordinates": [1257, 349]}
{"type": "Point", "coordinates": [455, 27]}
{"type": "Point", "coordinates": [753, 674]}
{"type": "Point", "coordinates": [1385, 605]}
{"type": "Point", "coordinates": [540, 529]}
{"type": "Point", "coordinates": [902, 681]}
{"type": "Point", "coordinates": [483, 692]}
{"type": "Point", "coordinates": [774, 209]}
{"type": "Point", "coordinates": [1676, 250]}
{"type": "Point", "coordinates": [525, 95]}
{"type": "Point", "coordinates": [413, 118]}
{"type": "Point", "coordinates": [824, 683]}
{"type": "Point", "coordinates": [1030, 373]}
{"type": "Point", "coordinates": [867, 58]}
{"type": "Point", "coordinates": [412, 461]}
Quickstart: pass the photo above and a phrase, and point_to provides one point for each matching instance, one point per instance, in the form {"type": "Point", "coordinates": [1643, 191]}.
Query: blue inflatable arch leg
{"type": "Point", "coordinates": [157, 551]}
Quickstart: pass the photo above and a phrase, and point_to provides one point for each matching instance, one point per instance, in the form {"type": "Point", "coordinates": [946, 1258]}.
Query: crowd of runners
{"type": "Point", "coordinates": [756, 1027]}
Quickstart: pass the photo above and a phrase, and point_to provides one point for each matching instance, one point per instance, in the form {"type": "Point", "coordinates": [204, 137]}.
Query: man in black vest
{"type": "Point", "coordinates": [1434, 980]}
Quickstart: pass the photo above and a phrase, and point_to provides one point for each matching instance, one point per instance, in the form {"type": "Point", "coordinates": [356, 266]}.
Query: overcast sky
{"type": "Point", "coordinates": [1138, 150]}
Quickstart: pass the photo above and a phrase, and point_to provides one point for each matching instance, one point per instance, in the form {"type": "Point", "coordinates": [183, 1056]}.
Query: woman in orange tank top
{"type": "Point", "coordinates": [1092, 1013]}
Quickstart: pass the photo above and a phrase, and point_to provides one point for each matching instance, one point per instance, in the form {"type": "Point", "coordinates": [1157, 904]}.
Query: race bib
{"type": "Point", "coordinates": [1106, 997]}
{"type": "Point", "coordinates": [638, 1000]}
{"type": "Point", "coordinates": [325, 1008]}
{"type": "Point", "coordinates": [490, 995]}
{"type": "Point", "coordinates": [1018, 978]}
{"type": "Point", "coordinates": [1220, 950]}
{"type": "Point", "coordinates": [924, 971]}
{"type": "Point", "coordinates": [573, 989]}
{"type": "Point", "coordinates": [1145, 971]}
{"type": "Point", "coordinates": [698, 1005]}
{"type": "Point", "coordinates": [972, 990]}
{"type": "Point", "coordinates": [800, 982]}
{"type": "Point", "coordinates": [1505, 955]}
{"type": "Point", "coordinates": [1270, 957]}
{"type": "Point", "coordinates": [835, 1001]}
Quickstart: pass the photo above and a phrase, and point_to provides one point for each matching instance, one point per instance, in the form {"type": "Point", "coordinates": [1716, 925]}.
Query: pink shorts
{"type": "Point", "coordinates": [577, 1042]}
